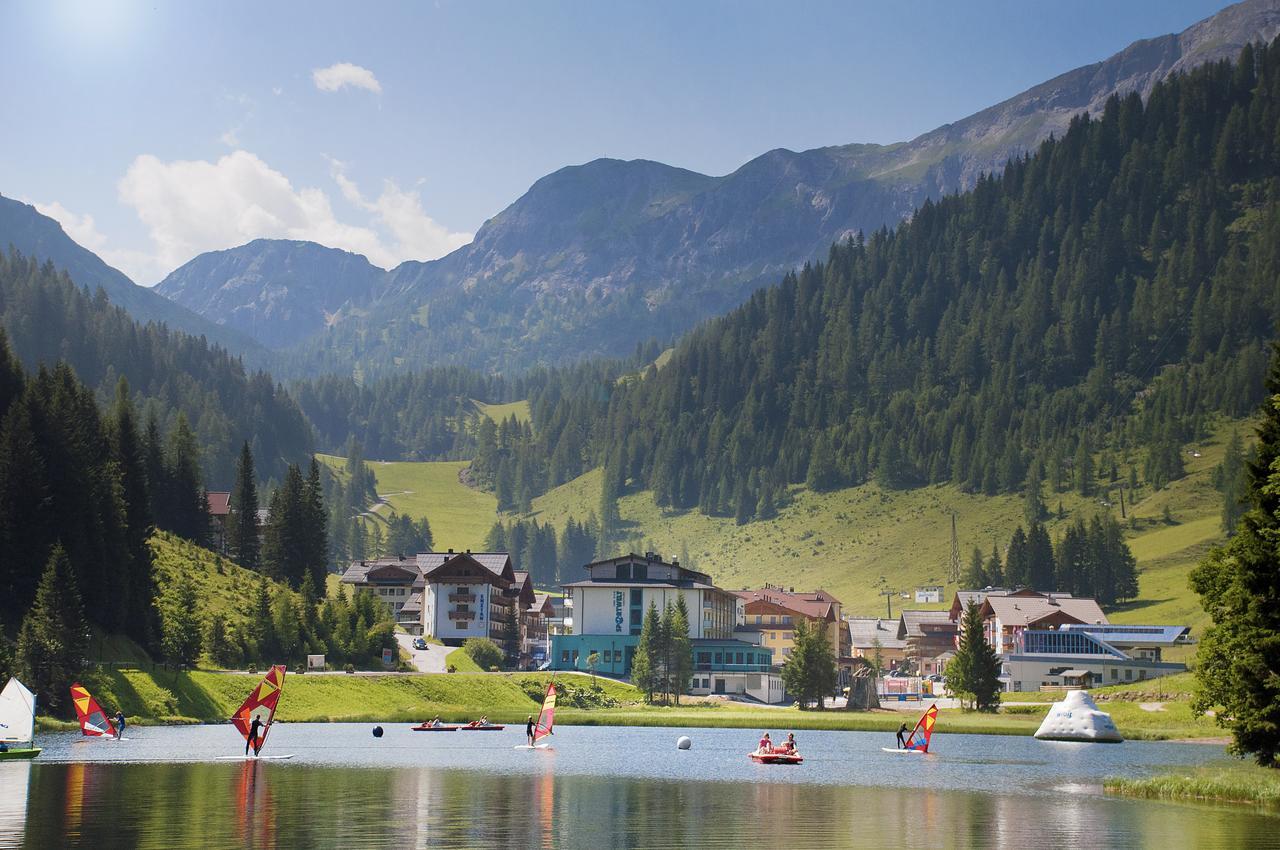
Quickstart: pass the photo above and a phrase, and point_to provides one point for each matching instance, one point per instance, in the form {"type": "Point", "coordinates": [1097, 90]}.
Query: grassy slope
{"type": "Point", "coordinates": [460, 516]}
{"type": "Point", "coordinates": [855, 542]}
{"type": "Point", "coordinates": [1241, 783]}
{"type": "Point", "coordinates": [499, 412]}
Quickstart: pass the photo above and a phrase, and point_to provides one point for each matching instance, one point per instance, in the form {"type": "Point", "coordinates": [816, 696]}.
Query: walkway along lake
{"type": "Point", "coordinates": [598, 787]}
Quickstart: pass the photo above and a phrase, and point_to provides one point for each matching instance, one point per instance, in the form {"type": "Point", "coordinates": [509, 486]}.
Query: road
{"type": "Point", "coordinates": [429, 660]}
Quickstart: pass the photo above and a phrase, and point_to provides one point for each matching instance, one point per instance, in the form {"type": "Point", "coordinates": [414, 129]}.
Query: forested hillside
{"type": "Point", "coordinates": [49, 318]}
{"type": "Point", "coordinates": [1110, 292]}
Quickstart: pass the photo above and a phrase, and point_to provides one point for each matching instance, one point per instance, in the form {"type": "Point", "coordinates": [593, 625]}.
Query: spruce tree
{"type": "Point", "coordinates": [1239, 587]}
{"type": "Point", "coordinates": [189, 506]}
{"type": "Point", "coordinates": [681, 650]}
{"type": "Point", "coordinates": [127, 452]}
{"type": "Point", "coordinates": [314, 528]}
{"type": "Point", "coordinates": [973, 675]}
{"type": "Point", "coordinates": [242, 534]}
{"type": "Point", "coordinates": [181, 633]}
{"type": "Point", "coordinates": [54, 639]}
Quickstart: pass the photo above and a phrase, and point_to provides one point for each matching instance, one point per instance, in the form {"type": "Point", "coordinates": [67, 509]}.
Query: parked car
{"type": "Point", "coordinates": [419, 643]}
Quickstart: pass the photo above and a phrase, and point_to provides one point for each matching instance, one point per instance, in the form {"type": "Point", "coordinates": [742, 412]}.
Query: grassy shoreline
{"type": "Point", "coordinates": [170, 698]}
{"type": "Point", "coordinates": [1242, 783]}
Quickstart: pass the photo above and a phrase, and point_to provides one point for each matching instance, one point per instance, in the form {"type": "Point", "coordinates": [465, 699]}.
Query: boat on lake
{"type": "Point", "coordinates": [17, 722]}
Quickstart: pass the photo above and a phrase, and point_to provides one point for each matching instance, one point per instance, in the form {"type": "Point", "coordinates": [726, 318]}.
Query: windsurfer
{"type": "Point", "coordinates": [253, 740]}
{"type": "Point", "coordinates": [902, 736]}
{"type": "Point", "coordinates": [528, 729]}
{"type": "Point", "coordinates": [119, 725]}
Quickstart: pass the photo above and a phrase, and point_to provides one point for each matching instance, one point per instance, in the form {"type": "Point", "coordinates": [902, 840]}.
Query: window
{"type": "Point", "coordinates": [637, 597]}
{"type": "Point", "coordinates": [772, 619]}
{"type": "Point", "coordinates": [640, 572]}
{"type": "Point", "coordinates": [786, 620]}
{"type": "Point", "coordinates": [564, 655]}
{"type": "Point", "coordinates": [1128, 675]}
{"type": "Point", "coordinates": [719, 658]}
{"type": "Point", "coordinates": [739, 657]}
{"type": "Point", "coordinates": [758, 619]}
{"type": "Point", "coordinates": [1115, 674]}
{"type": "Point", "coordinates": [624, 571]}
{"type": "Point", "coordinates": [636, 614]}
{"type": "Point", "coordinates": [704, 658]}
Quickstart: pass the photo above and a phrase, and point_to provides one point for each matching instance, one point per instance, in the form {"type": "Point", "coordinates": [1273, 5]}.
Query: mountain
{"type": "Point", "coordinates": [642, 250]}
{"type": "Point", "coordinates": [276, 291]}
{"type": "Point", "coordinates": [34, 234]}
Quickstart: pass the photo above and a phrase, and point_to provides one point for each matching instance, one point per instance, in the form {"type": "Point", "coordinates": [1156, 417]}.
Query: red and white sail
{"type": "Point", "coordinates": [920, 735]}
{"type": "Point", "coordinates": [546, 717]}
{"type": "Point", "coordinates": [93, 720]}
{"type": "Point", "coordinates": [261, 704]}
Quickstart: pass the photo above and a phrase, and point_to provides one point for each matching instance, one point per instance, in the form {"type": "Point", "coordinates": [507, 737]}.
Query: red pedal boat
{"type": "Point", "coordinates": [775, 758]}
{"type": "Point", "coordinates": [423, 727]}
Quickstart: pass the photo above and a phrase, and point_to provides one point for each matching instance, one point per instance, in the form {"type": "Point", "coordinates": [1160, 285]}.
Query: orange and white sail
{"type": "Point", "coordinates": [920, 735]}
{"type": "Point", "coordinates": [94, 722]}
{"type": "Point", "coordinates": [546, 717]}
{"type": "Point", "coordinates": [261, 704]}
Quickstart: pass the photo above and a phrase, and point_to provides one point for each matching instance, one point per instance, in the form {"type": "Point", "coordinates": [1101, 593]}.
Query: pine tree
{"type": "Point", "coordinates": [218, 643]}
{"type": "Point", "coordinates": [189, 505]}
{"type": "Point", "coordinates": [681, 650]}
{"type": "Point", "coordinates": [1239, 586]}
{"type": "Point", "coordinates": [975, 575]}
{"type": "Point", "coordinates": [242, 534]}
{"type": "Point", "coordinates": [181, 633]}
{"type": "Point", "coordinates": [1040, 561]}
{"type": "Point", "coordinates": [314, 528]}
{"type": "Point", "coordinates": [973, 674]}
{"type": "Point", "coordinates": [54, 639]}
{"type": "Point", "coordinates": [1017, 565]}
{"type": "Point", "coordinates": [1232, 482]}
{"type": "Point", "coordinates": [127, 452]}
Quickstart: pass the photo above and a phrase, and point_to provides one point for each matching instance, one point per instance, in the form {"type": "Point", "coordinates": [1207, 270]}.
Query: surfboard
{"type": "Point", "coordinates": [904, 752]}
{"type": "Point", "coordinates": [534, 747]}
{"type": "Point", "coordinates": [256, 758]}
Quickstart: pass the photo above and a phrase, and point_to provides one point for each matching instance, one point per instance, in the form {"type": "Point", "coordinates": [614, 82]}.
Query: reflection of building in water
{"type": "Point", "coordinates": [14, 779]}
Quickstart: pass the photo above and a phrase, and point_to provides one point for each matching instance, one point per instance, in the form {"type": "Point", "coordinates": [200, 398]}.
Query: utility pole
{"type": "Point", "coordinates": [888, 600]}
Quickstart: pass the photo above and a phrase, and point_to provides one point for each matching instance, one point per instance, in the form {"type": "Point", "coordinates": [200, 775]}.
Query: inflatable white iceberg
{"type": "Point", "coordinates": [1077, 718]}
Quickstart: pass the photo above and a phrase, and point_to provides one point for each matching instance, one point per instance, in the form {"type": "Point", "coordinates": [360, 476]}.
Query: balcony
{"type": "Point", "coordinates": [462, 597]}
{"type": "Point", "coordinates": [462, 615]}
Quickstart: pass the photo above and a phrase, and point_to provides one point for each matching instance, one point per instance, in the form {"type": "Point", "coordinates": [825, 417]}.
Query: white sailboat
{"type": "Point", "coordinates": [17, 722]}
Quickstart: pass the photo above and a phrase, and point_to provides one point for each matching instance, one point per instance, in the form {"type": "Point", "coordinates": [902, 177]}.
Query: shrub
{"type": "Point", "coordinates": [484, 652]}
{"type": "Point", "coordinates": [452, 669]}
{"type": "Point", "coordinates": [253, 668]}
{"type": "Point", "coordinates": [349, 668]}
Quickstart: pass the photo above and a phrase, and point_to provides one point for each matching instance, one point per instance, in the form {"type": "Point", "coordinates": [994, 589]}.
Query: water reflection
{"type": "Point", "coordinates": [264, 805]}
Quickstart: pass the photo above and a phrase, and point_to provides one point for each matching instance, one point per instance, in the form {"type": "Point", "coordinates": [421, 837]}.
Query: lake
{"type": "Point", "coordinates": [598, 787]}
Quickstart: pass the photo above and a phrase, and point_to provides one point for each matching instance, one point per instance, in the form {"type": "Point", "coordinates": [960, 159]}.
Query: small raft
{"type": "Point", "coordinates": [423, 727]}
{"type": "Point", "coordinates": [775, 758]}
{"type": "Point", "coordinates": [490, 727]}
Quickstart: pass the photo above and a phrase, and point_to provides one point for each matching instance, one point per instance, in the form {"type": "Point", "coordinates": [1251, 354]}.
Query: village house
{"type": "Point", "coordinates": [219, 505]}
{"type": "Point", "coordinates": [927, 635]}
{"type": "Point", "coordinates": [867, 635]}
{"type": "Point", "coordinates": [769, 616]}
{"type": "Point", "coordinates": [452, 596]}
{"type": "Point", "coordinates": [609, 607]}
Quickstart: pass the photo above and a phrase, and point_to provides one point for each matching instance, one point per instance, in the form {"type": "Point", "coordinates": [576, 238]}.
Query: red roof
{"type": "Point", "coordinates": [219, 503]}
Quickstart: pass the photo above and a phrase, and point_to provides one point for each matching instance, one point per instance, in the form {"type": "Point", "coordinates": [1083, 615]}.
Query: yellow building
{"type": "Point", "coordinates": [772, 612]}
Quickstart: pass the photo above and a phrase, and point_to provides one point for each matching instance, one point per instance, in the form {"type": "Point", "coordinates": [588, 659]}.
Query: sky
{"type": "Point", "coordinates": [155, 131]}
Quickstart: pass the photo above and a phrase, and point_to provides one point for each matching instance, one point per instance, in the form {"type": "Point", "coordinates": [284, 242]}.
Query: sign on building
{"type": "Point", "coordinates": [618, 619]}
{"type": "Point", "coordinates": [388, 658]}
{"type": "Point", "coordinates": [929, 593]}
{"type": "Point", "coordinates": [315, 662]}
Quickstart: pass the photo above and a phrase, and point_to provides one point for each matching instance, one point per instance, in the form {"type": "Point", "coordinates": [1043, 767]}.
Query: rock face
{"type": "Point", "coordinates": [277, 291]}
{"type": "Point", "coordinates": [34, 234]}
{"type": "Point", "coordinates": [1078, 718]}
{"type": "Point", "coordinates": [595, 257]}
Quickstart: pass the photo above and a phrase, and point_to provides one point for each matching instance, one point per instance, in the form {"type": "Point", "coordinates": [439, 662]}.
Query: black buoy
{"type": "Point", "coordinates": [377, 731]}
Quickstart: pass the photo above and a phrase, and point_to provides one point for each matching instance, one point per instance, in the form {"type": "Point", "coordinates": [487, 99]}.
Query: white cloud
{"type": "Point", "coordinates": [344, 74]}
{"type": "Point", "coordinates": [231, 138]}
{"type": "Point", "coordinates": [194, 206]}
{"type": "Point", "coordinates": [79, 227]}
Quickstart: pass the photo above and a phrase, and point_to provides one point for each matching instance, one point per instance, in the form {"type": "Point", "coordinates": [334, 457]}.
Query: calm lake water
{"type": "Point", "coordinates": [598, 787]}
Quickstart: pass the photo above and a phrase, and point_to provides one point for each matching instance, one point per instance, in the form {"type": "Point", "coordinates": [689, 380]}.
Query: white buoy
{"type": "Point", "coordinates": [683, 743]}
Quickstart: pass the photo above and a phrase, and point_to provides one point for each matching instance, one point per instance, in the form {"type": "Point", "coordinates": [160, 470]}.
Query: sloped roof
{"type": "Point", "coordinates": [911, 622]}
{"type": "Point", "coordinates": [864, 631]}
{"type": "Point", "coordinates": [219, 503]}
{"type": "Point", "coordinates": [357, 572]}
{"type": "Point", "coordinates": [1131, 634]}
{"type": "Point", "coordinates": [815, 604]}
{"type": "Point", "coordinates": [1025, 610]}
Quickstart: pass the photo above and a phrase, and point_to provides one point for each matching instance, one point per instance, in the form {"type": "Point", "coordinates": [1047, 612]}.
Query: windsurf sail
{"type": "Point", "coordinates": [261, 704]}
{"type": "Point", "coordinates": [920, 735]}
{"type": "Point", "coordinates": [17, 713]}
{"type": "Point", "coordinates": [93, 720]}
{"type": "Point", "coordinates": [546, 717]}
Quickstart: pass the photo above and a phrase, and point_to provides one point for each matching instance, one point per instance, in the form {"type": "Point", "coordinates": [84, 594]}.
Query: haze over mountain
{"type": "Point", "coordinates": [34, 234]}
{"type": "Point", "coordinates": [278, 291]}
{"type": "Point", "coordinates": [644, 249]}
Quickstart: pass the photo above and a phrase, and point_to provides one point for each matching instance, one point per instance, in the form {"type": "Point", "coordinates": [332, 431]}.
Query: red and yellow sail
{"type": "Point", "coordinates": [261, 704]}
{"type": "Point", "coordinates": [93, 720]}
{"type": "Point", "coordinates": [546, 717]}
{"type": "Point", "coordinates": [920, 735]}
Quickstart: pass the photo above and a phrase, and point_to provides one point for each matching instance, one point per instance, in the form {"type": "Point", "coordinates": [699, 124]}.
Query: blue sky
{"type": "Point", "coordinates": [155, 131]}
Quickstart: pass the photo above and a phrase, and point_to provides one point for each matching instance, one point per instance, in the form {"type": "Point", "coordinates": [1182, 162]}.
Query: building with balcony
{"type": "Point", "coordinates": [869, 635]}
{"type": "Point", "coordinates": [772, 612]}
{"type": "Point", "coordinates": [1071, 657]}
{"type": "Point", "coordinates": [927, 636]}
{"type": "Point", "coordinates": [609, 607]}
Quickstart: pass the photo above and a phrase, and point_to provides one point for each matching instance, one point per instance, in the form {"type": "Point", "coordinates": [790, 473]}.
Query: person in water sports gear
{"type": "Point", "coordinates": [119, 725]}
{"type": "Point", "coordinates": [902, 740]}
{"type": "Point", "coordinates": [528, 729]}
{"type": "Point", "coordinates": [253, 740]}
